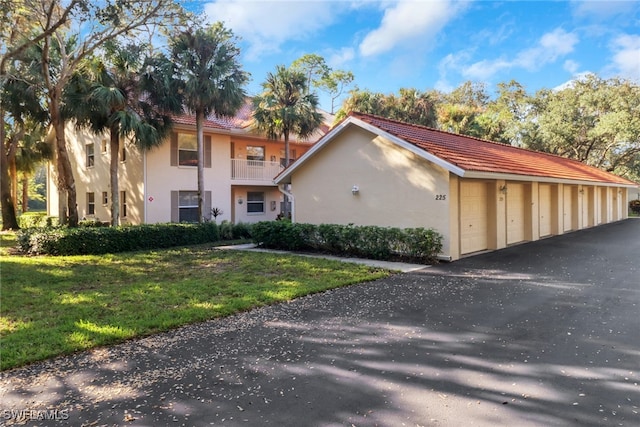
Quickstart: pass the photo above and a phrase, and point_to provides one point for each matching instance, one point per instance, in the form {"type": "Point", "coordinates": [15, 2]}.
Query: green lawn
{"type": "Point", "coordinates": [59, 305]}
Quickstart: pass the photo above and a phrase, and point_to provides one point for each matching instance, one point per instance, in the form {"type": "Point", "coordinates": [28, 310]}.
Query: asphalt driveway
{"type": "Point", "coordinates": [542, 334]}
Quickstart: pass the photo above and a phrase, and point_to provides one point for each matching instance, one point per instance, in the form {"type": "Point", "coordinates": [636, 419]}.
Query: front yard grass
{"type": "Point", "coordinates": [58, 305]}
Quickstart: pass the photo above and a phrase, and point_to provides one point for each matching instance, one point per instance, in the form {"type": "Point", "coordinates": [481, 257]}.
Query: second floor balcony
{"type": "Point", "coordinates": [254, 172]}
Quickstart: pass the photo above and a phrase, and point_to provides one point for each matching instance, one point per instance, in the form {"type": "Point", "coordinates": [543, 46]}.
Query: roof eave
{"type": "Point", "coordinates": [517, 177]}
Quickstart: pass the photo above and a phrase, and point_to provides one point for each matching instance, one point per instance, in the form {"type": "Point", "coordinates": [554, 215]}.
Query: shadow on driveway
{"type": "Point", "coordinates": [542, 334]}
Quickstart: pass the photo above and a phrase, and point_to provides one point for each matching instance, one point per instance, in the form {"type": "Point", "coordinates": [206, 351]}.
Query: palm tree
{"type": "Point", "coordinates": [209, 79]}
{"type": "Point", "coordinates": [23, 111]}
{"type": "Point", "coordinates": [286, 106]}
{"type": "Point", "coordinates": [110, 97]}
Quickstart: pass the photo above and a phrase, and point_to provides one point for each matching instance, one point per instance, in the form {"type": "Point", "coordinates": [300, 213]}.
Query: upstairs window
{"type": "Point", "coordinates": [255, 155]}
{"type": "Point", "coordinates": [91, 157]}
{"type": "Point", "coordinates": [187, 150]}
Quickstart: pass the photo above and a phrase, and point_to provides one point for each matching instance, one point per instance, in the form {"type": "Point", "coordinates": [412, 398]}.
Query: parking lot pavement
{"type": "Point", "coordinates": [539, 334]}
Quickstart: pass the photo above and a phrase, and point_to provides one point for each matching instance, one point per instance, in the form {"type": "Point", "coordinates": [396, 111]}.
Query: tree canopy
{"type": "Point", "coordinates": [593, 120]}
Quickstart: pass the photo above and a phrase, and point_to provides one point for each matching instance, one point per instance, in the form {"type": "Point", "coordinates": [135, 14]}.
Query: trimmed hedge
{"type": "Point", "coordinates": [383, 243]}
{"type": "Point", "coordinates": [101, 240]}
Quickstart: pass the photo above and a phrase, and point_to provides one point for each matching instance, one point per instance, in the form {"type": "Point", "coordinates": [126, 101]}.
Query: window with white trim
{"type": "Point", "coordinates": [255, 202]}
{"type": "Point", "coordinates": [91, 157]}
{"type": "Point", "coordinates": [91, 204]}
{"type": "Point", "coordinates": [123, 204]}
{"type": "Point", "coordinates": [187, 150]}
{"type": "Point", "coordinates": [188, 206]}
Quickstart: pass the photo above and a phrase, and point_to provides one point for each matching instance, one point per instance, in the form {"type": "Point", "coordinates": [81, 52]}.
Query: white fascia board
{"type": "Point", "coordinates": [529, 178]}
{"type": "Point", "coordinates": [284, 178]}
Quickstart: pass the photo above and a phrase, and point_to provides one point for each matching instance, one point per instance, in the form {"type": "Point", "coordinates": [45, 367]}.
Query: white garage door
{"type": "Point", "coordinates": [473, 217]}
{"type": "Point", "coordinates": [567, 207]}
{"type": "Point", "coordinates": [544, 202]}
{"type": "Point", "coordinates": [515, 213]}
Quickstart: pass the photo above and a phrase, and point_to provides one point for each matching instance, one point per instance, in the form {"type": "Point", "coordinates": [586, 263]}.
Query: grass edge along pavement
{"type": "Point", "coordinates": [60, 305]}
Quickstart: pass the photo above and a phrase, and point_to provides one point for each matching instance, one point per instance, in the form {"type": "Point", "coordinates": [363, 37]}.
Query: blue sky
{"type": "Point", "coordinates": [438, 44]}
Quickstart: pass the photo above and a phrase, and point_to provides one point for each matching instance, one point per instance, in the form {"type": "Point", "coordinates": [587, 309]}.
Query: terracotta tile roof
{"type": "Point", "coordinates": [242, 122]}
{"type": "Point", "coordinates": [472, 154]}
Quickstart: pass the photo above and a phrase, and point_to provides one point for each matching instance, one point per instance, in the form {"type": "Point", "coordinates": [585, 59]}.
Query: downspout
{"type": "Point", "coordinates": [283, 190]}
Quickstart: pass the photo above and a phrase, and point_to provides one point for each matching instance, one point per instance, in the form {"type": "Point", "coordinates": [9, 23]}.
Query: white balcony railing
{"type": "Point", "coordinates": [254, 170]}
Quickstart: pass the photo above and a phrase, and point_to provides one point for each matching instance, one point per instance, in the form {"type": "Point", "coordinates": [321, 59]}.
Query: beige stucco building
{"type": "Point", "coordinates": [479, 195]}
{"type": "Point", "coordinates": [160, 185]}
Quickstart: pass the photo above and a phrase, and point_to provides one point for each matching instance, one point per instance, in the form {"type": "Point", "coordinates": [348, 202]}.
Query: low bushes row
{"type": "Point", "coordinates": [100, 240]}
{"type": "Point", "coordinates": [383, 243]}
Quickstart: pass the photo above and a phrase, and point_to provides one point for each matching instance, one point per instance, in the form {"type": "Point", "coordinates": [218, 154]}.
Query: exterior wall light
{"type": "Point", "coordinates": [355, 190]}
{"type": "Point", "coordinates": [240, 201]}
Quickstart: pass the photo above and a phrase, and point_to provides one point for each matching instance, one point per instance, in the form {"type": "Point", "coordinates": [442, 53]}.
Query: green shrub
{"type": "Point", "coordinates": [226, 230]}
{"type": "Point", "coordinates": [241, 231]}
{"type": "Point", "coordinates": [100, 240]}
{"type": "Point", "coordinates": [36, 219]}
{"type": "Point", "coordinates": [634, 206]}
{"type": "Point", "coordinates": [373, 242]}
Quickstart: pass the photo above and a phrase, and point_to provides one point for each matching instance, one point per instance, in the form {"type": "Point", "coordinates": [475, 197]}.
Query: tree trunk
{"type": "Point", "coordinates": [9, 218]}
{"type": "Point", "coordinates": [25, 192]}
{"type": "Point", "coordinates": [114, 146]}
{"type": "Point", "coordinates": [66, 182]}
{"type": "Point", "coordinates": [200, 142]}
{"type": "Point", "coordinates": [13, 168]}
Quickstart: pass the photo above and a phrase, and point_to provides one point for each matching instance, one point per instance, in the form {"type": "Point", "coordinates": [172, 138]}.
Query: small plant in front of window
{"type": "Point", "coordinates": [215, 213]}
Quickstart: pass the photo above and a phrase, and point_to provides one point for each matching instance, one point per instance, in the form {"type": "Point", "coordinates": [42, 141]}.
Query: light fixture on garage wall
{"type": "Point", "coordinates": [503, 189]}
{"type": "Point", "coordinates": [581, 191]}
{"type": "Point", "coordinates": [355, 190]}
{"type": "Point", "coordinates": [240, 201]}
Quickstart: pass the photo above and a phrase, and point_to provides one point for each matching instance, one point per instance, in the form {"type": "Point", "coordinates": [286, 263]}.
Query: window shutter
{"type": "Point", "coordinates": [207, 151]}
{"type": "Point", "coordinates": [174, 149]}
{"type": "Point", "coordinates": [207, 206]}
{"type": "Point", "coordinates": [175, 210]}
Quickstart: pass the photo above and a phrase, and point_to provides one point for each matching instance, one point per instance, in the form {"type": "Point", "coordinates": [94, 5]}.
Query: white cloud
{"type": "Point", "coordinates": [408, 22]}
{"type": "Point", "coordinates": [549, 48]}
{"type": "Point", "coordinates": [626, 59]}
{"type": "Point", "coordinates": [571, 66]}
{"type": "Point", "coordinates": [341, 57]}
{"type": "Point", "coordinates": [267, 25]}
{"type": "Point", "coordinates": [601, 10]}
{"type": "Point", "coordinates": [453, 62]}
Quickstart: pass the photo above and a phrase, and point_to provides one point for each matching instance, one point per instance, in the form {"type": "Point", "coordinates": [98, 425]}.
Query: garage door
{"type": "Point", "coordinates": [544, 202]}
{"type": "Point", "coordinates": [515, 213]}
{"type": "Point", "coordinates": [473, 217]}
{"type": "Point", "coordinates": [567, 207]}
